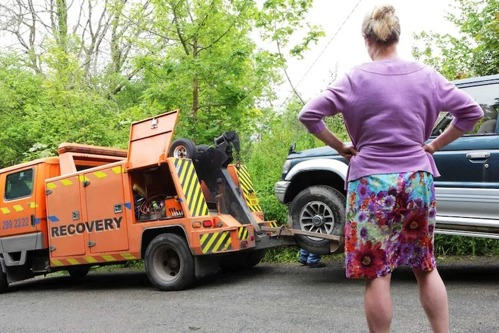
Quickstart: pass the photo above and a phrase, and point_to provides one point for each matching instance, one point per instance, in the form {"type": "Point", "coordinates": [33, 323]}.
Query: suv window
{"type": "Point", "coordinates": [488, 98]}
{"type": "Point", "coordinates": [19, 184]}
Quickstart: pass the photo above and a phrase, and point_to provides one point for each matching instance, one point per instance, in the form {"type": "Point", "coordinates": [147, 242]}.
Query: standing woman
{"type": "Point", "coordinates": [389, 107]}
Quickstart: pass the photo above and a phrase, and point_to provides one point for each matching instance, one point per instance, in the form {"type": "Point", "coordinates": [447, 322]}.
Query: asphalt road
{"type": "Point", "coordinates": [268, 298]}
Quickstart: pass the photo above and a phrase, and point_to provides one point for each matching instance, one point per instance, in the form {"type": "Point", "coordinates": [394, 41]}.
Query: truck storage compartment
{"type": "Point", "coordinates": [150, 139]}
{"type": "Point", "coordinates": [154, 194]}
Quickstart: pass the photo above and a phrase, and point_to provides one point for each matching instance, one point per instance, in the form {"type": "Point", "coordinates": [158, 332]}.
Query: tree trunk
{"type": "Point", "coordinates": [195, 83]}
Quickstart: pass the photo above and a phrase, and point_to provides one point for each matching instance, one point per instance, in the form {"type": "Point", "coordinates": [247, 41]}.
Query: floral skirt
{"type": "Point", "coordinates": [390, 222]}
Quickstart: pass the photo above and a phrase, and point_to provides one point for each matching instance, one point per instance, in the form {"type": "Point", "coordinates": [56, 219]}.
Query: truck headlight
{"type": "Point", "coordinates": [286, 167]}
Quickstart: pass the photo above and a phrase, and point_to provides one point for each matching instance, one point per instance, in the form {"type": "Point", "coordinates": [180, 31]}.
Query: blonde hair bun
{"type": "Point", "coordinates": [382, 12]}
{"type": "Point", "coordinates": [382, 25]}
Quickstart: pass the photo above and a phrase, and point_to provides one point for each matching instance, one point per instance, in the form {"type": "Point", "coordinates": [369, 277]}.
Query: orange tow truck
{"type": "Point", "coordinates": [186, 210]}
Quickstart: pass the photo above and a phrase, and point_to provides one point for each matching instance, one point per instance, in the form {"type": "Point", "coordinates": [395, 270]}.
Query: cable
{"type": "Point", "coordinates": [325, 48]}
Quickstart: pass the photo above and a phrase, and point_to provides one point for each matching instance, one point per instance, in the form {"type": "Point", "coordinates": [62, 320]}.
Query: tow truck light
{"type": "Point", "coordinates": [207, 223]}
{"type": "Point", "coordinates": [196, 224]}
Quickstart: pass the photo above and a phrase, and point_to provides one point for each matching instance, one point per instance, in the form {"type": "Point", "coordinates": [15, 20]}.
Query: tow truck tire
{"type": "Point", "coordinates": [78, 272]}
{"type": "Point", "coordinates": [183, 148]}
{"type": "Point", "coordinates": [251, 259]}
{"type": "Point", "coordinates": [241, 260]}
{"type": "Point", "coordinates": [169, 263]}
{"type": "Point", "coordinates": [319, 209]}
{"type": "Point", "coordinates": [4, 284]}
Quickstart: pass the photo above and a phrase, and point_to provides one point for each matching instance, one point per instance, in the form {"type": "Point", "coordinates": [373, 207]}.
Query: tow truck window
{"type": "Point", "coordinates": [19, 184]}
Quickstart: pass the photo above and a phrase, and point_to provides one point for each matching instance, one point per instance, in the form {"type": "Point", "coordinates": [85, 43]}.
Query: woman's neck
{"type": "Point", "coordinates": [386, 53]}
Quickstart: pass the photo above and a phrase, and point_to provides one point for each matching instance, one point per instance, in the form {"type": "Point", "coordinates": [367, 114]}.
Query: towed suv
{"type": "Point", "coordinates": [467, 191]}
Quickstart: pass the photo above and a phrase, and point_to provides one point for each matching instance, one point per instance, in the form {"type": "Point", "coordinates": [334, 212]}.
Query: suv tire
{"type": "Point", "coordinates": [318, 209]}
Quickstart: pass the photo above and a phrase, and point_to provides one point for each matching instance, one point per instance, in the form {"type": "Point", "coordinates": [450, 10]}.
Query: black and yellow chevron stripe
{"type": "Point", "coordinates": [273, 224]}
{"type": "Point", "coordinates": [189, 181]}
{"type": "Point", "coordinates": [248, 189]}
{"type": "Point", "coordinates": [242, 232]}
{"type": "Point", "coordinates": [215, 242]}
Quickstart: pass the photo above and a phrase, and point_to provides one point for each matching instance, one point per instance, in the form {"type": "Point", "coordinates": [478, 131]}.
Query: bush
{"type": "Point", "coordinates": [446, 245]}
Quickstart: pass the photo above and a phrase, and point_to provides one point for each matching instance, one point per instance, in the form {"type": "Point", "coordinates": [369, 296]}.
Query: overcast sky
{"type": "Point", "coordinates": [312, 74]}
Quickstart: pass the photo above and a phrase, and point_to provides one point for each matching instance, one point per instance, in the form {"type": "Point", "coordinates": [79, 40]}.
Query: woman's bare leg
{"type": "Point", "coordinates": [433, 298]}
{"type": "Point", "coordinates": [378, 304]}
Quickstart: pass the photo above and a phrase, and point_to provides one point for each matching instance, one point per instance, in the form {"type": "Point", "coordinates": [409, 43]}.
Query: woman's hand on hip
{"type": "Point", "coordinates": [348, 151]}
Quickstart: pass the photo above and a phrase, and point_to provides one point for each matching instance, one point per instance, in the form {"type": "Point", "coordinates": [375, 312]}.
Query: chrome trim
{"type": "Point", "coordinates": [466, 233]}
{"type": "Point", "coordinates": [280, 189]}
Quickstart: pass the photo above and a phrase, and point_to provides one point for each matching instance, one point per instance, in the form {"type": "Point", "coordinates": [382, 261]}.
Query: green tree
{"type": "Point", "coordinates": [19, 92]}
{"type": "Point", "coordinates": [38, 112]}
{"type": "Point", "coordinates": [211, 68]}
{"type": "Point", "coordinates": [151, 56]}
{"type": "Point", "coordinates": [474, 51]}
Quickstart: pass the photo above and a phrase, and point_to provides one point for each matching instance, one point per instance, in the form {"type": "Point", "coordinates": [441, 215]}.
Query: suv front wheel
{"type": "Point", "coordinates": [319, 209]}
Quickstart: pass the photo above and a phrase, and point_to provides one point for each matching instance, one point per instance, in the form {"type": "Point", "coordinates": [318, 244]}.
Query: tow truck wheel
{"type": "Point", "coordinates": [319, 209]}
{"type": "Point", "coordinates": [169, 263]}
{"type": "Point", "coordinates": [243, 260]}
{"type": "Point", "coordinates": [4, 284]}
{"type": "Point", "coordinates": [183, 148]}
{"type": "Point", "coordinates": [78, 272]}
{"type": "Point", "coordinates": [252, 258]}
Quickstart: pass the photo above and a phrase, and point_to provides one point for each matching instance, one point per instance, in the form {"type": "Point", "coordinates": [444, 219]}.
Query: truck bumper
{"type": "Point", "coordinates": [280, 189]}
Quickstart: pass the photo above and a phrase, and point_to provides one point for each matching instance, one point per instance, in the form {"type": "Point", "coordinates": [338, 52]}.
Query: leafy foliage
{"type": "Point", "coordinates": [460, 245]}
{"type": "Point", "coordinates": [475, 51]}
{"type": "Point", "coordinates": [78, 81]}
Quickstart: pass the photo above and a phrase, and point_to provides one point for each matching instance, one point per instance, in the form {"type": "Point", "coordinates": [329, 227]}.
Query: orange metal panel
{"type": "Point", "coordinates": [105, 210]}
{"type": "Point", "coordinates": [66, 224]}
{"type": "Point", "coordinates": [45, 170]}
{"type": "Point", "coordinates": [150, 140]}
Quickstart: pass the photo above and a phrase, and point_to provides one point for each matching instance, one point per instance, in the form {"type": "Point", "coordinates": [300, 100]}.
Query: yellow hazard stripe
{"type": "Point", "coordinates": [83, 178]}
{"type": "Point", "coordinates": [90, 260]}
{"type": "Point", "coordinates": [17, 208]}
{"type": "Point", "coordinates": [191, 187]}
{"type": "Point", "coordinates": [215, 242]}
{"type": "Point", "coordinates": [73, 261]}
{"type": "Point", "coordinates": [273, 224]}
{"type": "Point", "coordinates": [117, 170]}
{"type": "Point", "coordinates": [94, 259]}
{"type": "Point", "coordinates": [128, 256]}
{"type": "Point", "coordinates": [100, 174]}
{"type": "Point", "coordinates": [56, 262]}
{"type": "Point", "coordinates": [248, 189]}
{"type": "Point", "coordinates": [242, 232]}
{"type": "Point", "coordinates": [66, 182]}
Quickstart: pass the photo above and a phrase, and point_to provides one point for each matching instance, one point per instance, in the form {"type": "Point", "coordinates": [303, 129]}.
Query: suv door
{"type": "Point", "coordinates": [468, 188]}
